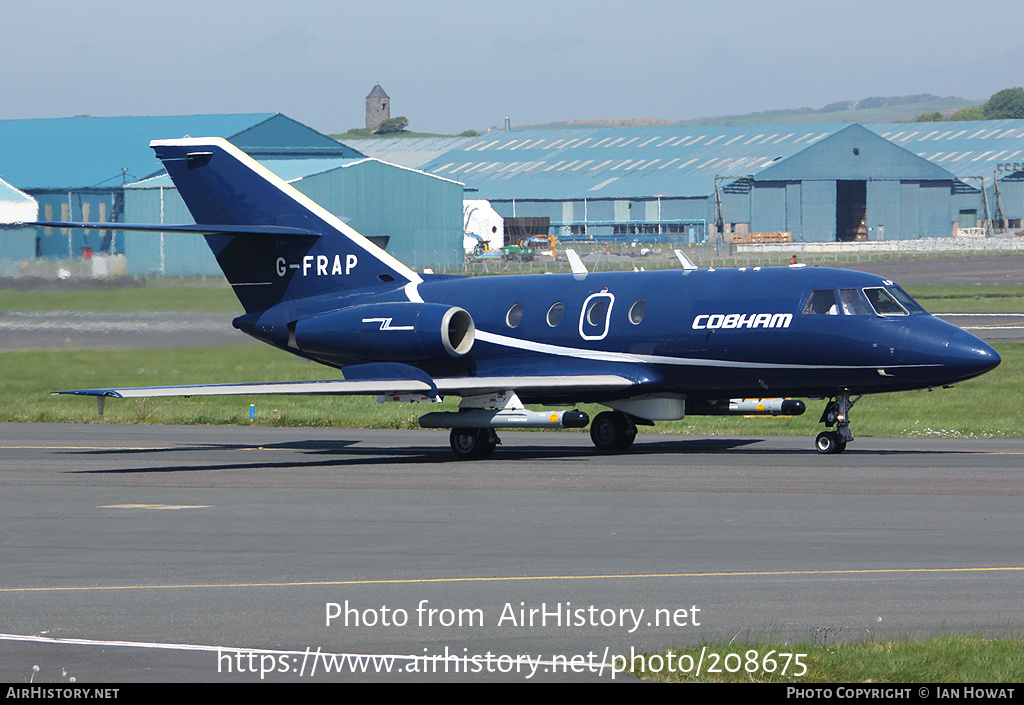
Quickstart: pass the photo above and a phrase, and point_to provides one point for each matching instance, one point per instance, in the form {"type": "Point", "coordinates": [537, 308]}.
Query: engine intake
{"type": "Point", "coordinates": [388, 332]}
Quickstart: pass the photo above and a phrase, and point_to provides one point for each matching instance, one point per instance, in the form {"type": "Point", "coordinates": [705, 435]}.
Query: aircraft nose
{"type": "Point", "coordinates": [969, 356]}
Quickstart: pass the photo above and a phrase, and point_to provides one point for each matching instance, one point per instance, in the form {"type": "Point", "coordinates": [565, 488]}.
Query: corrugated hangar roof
{"type": "Point", "coordinates": [90, 152]}
{"type": "Point", "coordinates": [964, 148]}
{"type": "Point", "coordinates": [619, 162]}
{"type": "Point", "coordinates": [677, 161]}
{"type": "Point", "coordinates": [290, 170]}
{"type": "Point", "coordinates": [410, 151]}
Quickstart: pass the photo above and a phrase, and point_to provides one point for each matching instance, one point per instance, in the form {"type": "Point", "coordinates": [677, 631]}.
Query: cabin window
{"type": "Point", "coordinates": [852, 303]}
{"type": "Point", "coordinates": [595, 315]}
{"type": "Point", "coordinates": [637, 311]}
{"type": "Point", "coordinates": [555, 313]}
{"type": "Point", "coordinates": [514, 315]}
{"type": "Point", "coordinates": [596, 311]}
{"type": "Point", "coordinates": [822, 301]}
{"type": "Point", "coordinates": [884, 303]}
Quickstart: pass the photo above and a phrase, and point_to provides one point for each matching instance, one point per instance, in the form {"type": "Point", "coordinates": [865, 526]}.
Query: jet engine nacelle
{"type": "Point", "coordinates": [388, 332]}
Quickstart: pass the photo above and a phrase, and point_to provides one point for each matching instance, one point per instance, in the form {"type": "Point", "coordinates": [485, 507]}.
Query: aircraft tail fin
{"type": "Point", "coordinates": [315, 252]}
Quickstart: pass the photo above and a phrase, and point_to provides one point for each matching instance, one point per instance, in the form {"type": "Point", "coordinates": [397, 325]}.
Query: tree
{"type": "Point", "coordinates": [1007, 104]}
{"type": "Point", "coordinates": [975, 112]}
{"type": "Point", "coordinates": [837, 107]}
{"type": "Point", "coordinates": [392, 126]}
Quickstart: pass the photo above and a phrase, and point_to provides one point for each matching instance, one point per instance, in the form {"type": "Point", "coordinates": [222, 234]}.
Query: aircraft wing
{"type": "Point", "coordinates": [341, 387]}
{"type": "Point", "coordinates": [456, 386]}
{"type": "Point", "coordinates": [465, 386]}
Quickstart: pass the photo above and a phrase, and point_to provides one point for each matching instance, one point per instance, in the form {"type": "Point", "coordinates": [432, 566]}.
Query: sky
{"type": "Point", "coordinates": [451, 66]}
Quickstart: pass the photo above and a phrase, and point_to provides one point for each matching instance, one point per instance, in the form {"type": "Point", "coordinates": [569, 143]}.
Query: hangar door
{"type": "Point", "coordinates": [851, 211]}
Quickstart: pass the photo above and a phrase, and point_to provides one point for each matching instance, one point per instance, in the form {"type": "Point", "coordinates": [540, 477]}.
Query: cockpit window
{"type": "Point", "coordinates": [852, 303]}
{"type": "Point", "coordinates": [884, 303]}
{"type": "Point", "coordinates": [822, 301]}
{"type": "Point", "coordinates": [906, 299]}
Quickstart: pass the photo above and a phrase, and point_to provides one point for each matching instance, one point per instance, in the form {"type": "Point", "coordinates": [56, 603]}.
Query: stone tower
{"type": "Point", "coordinates": [378, 107]}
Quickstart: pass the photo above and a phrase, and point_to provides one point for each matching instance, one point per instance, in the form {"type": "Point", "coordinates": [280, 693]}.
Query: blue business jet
{"type": "Point", "coordinates": [649, 345]}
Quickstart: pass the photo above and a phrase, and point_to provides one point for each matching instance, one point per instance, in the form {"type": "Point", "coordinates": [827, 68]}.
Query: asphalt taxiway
{"type": "Point", "coordinates": [153, 546]}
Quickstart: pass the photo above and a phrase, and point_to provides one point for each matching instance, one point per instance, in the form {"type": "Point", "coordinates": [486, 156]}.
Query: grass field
{"type": "Point", "coordinates": [969, 298]}
{"type": "Point", "coordinates": [199, 295]}
{"type": "Point", "coordinates": [985, 407]}
{"type": "Point", "coordinates": [211, 295]}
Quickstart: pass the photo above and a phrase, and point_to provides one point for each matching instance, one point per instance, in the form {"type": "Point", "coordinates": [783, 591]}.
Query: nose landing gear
{"type": "Point", "coordinates": [837, 413]}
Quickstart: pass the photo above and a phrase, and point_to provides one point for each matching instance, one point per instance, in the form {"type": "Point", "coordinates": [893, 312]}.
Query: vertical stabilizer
{"type": "Point", "coordinates": [221, 185]}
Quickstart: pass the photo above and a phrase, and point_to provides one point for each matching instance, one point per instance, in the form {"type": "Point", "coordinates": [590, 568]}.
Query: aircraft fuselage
{"type": "Point", "coordinates": [703, 333]}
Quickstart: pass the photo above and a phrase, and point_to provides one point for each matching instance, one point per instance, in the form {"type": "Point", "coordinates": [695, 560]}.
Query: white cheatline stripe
{"type": "Point", "coordinates": [518, 344]}
{"type": "Point", "coordinates": [413, 292]}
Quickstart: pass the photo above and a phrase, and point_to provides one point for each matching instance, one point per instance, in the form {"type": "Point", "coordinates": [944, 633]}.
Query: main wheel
{"type": "Point", "coordinates": [611, 431]}
{"type": "Point", "coordinates": [829, 442]}
{"type": "Point", "coordinates": [473, 443]}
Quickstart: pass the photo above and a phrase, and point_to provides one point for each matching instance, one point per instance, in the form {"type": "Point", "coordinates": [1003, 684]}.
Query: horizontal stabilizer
{"type": "Point", "coordinates": [197, 228]}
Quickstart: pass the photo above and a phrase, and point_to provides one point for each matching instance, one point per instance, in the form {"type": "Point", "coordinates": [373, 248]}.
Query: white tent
{"type": "Point", "coordinates": [15, 206]}
{"type": "Point", "coordinates": [483, 221]}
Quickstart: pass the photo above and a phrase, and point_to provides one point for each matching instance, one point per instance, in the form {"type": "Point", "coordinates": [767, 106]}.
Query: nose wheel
{"type": "Point", "coordinates": [829, 442]}
{"type": "Point", "coordinates": [837, 413]}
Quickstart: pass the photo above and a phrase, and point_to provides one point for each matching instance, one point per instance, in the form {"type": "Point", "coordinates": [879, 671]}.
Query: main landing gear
{"type": "Point", "coordinates": [612, 431]}
{"type": "Point", "coordinates": [473, 443]}
{"type": "Point", "coordinates": [837, 413]}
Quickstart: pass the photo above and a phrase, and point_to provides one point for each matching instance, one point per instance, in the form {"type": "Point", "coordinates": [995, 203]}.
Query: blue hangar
{"type": "Point", "coordinates": [820, 182]}
{"type": "Point", "coordinates": [101, 169]}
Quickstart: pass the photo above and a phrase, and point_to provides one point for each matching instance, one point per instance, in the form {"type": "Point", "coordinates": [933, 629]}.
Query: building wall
{"type": "Point", "coordinates": [768, 207]}
{"type": "Point", "coordinates": [818, 211]}
{"type": "Point", "coordinates": [936, 218]}
{"type": "Point", "coordinates": [602, 215]}
{"type": "Point", "coordinates": [17, 246]}
{"type": "Point", "coordinates": [84, 205]}
{"type": "Point", "coordinates": [883, 217]}
{"type": "Point", "coordinates": [178, 254]}
{"type": "Point", "coordinates": [378, 109]}
{"type": "Point", "coordinates": [422, 215]}
{"type": "Point", "coordinates": [794, 211]}
{"type": "Point", "coordinates": [910, 211]}
{"type": "Point", "coordinates": [807, 209]}
{"type": "Point", "coordinates": [905, 209]}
